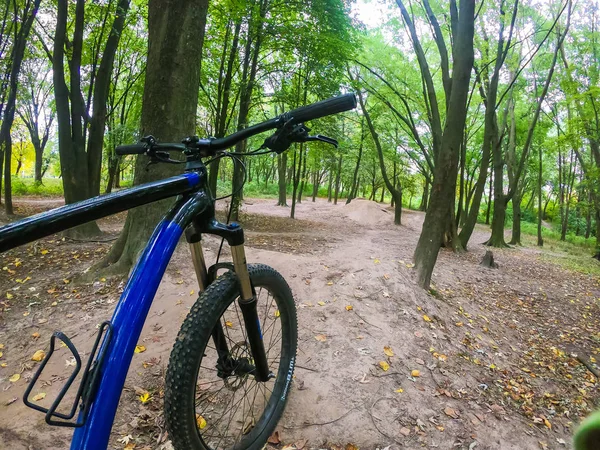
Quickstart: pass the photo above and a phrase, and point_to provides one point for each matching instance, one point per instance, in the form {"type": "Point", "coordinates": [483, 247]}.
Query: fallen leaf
{"type": "Point", "coordinates": [145, 397]}
{"type": "Point", "coordinates": [229, 324]}
{"type": "Point", "coordinates": [459, 324]}
{"type": "Point", "coordinates": [35, 335]}
{"type": "Point", "coordinates": [405, 431]}
{"type": "Point", "coordinates": [376, 261]}
{"type": "Point", "coordinates": [384, 365]}
{"type": "Point", "coordinates": [440, 428]}
{"type": "Point", "coordinates": [415, 373]}
{"type": "Point", "coordinates": [274, 438]}
{"type": "Point", "coordinates": [9, 295]}
{"type": "Point", "coordinates": [200, 422]}
{"type": "Point", "coordinates": [450, 412]}
{"type": "Point", "coordinates": [330, 283]}
{"type": "Point", "coordinates": [40, 396]}
{"type": "Point", "coordinates": [351, 447]}
{"type": "Point", "coordinates": [399, 390]}
{"type": "Point", "coordinates": [349, 308]}
{"type": "Point", "coordinates": [140, 349]}
{"type": "Point", "coordinates": [321, 303]}
{"type": "Point", "coordinates": [300, 444]}
{"type": "Point", "coordinates": [426, 318]}
{"type": "Point", "coordinates": [547, 423]}
{"type": "Point", "coordinates": [277, 313]}
{"type": "Point", "coordinates": [16, 377]}
{"type": "Point", "coordinates": [38, 356]}
{"type": "Point", "coordinates": [321, 337]}
{"type": "Point", "coordinates": [388, 350]}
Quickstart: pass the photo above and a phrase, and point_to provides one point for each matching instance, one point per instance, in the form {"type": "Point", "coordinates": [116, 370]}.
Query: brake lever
{"type": "Point", "coordinates": [324, 139]}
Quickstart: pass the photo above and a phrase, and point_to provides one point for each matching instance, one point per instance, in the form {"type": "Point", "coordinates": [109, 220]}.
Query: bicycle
{"type": "Point", "coordinates": [221, 348]}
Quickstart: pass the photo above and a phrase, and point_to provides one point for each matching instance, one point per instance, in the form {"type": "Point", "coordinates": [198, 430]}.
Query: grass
{"type": "Point", "coordinates": [51, 187]}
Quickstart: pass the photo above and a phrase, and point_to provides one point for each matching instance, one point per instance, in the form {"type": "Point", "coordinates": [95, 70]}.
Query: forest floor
{"type": "Point", "coordinates": [485, 360]}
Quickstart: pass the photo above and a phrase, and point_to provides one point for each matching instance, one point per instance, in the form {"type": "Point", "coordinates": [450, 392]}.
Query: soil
{"type": "Point", "coordinates": [485, 360]}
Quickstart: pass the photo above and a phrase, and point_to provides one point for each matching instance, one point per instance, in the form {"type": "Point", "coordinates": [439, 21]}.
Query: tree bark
{"type": "Point", "coordinates": [395, 191]}
{"type": "Point", "coordinates": [446, 166]}
{"type": "Point", "coordinates": [97, 122]}
{"type": "Point", "coordinates": [175, 38]}
{"type": "Point", "coordinates": [540, 239]}
{"type": "Point", "coordinates": [281, 172]}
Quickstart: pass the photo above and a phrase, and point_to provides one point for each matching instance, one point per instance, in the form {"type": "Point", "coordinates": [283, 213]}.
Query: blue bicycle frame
{"type": "Point", "coordinates": [132, 309]}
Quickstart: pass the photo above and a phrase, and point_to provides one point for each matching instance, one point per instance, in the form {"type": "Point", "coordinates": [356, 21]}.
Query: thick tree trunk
{"type": "Point", "coordinates": [281, 172]}
{"type": "Point", "coordinates": [446, 166]}
{"type": "Point", "coordinates": [175, 37]}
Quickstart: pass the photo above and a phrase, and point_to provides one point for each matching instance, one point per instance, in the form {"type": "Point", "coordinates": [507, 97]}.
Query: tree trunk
{"type": "Point", "coordinates": [175, 37]}
{"type": "Point", "coordinates": [516, 222]}
{"type": "Point", "coordinates": [97, 122]}
{"type": "Point", "coordinates": [8, 206]}
{"type": "Point", "coordinates": [446, 167]}
{"type": "Point", "coordinates": [330, 186]}
{"type": "Point", "coordinates": [540, 240]}
{"type": "Point", "coordinates": [354, 186]}
{"type": "Point", "coordinates": [8, 110]}
{"type": "Point", "coordinates": [396, 192]}
{"type": "Point", "coordinates": [302, 179]}
{"type": "Point", "coordinates": [425, 197]}
{"type": "Point", "coordinates": [281, 172]}
{"type": "Point", "coordinates": [337, 180]}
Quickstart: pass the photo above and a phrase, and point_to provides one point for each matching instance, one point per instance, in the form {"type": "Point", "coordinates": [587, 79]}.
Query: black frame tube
{"type": "Point", "coordinates": [69, 216]}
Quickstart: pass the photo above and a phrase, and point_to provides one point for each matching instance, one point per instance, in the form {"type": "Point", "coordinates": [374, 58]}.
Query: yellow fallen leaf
{"type": "Point", "coordinates": [1, 346]}
{"type": "Point", "coordinates": [349, 308]}
{"type": "Point", "coordinates": [399, 390]}
{"type": "Point", "coordinates": [376, 261]}
{"type": "Point", "coordinates": [200, 421]}
{"type": "Point", "coordinates": [321, 303]}
{"type": "Point", "coordinates": [385, 366]}
{"type": "Point", "coordinates": [140, 349]}
{"type": "Point", "coordinates": [66, 281]}
{"type": "Point", "coordinates": [410, 265]}
{"type": "Point", "coordinates": [277, 313]}
{"type": "Point", "coordinates": [321, 337]}
{"type": "Point", "coordinates": [229, 324]}
{"type": "Point", "coordinates": [388, 350]}
{"type": "Point", "coordinates": [547, 423]}
{"type": "Point", "coordinates": [38, 356]}
{"type": "Point", "coordinates": [440, 428]}
{"type": "Point", "coordinates": [3, 365]}
{"type": "Point", "coordinates": [35, 335]}
{"type": "Point", "coordinates": [1, 354]}
{"type": "Point", "coordinates": [44, 252]}
{"type": "Point", "coordinates": [16, 377]}
{"type": "Point", "coordinates": [493, 366]}
{"type": "Point", "coordinates": [192, 292]}
{"type": "Point", "coordinates": [38, 397]}
{"type": "Point", "coordinates": [26, 313]}
{"type": "Point", "coordinates": [9, 295]}
{"type": "Point", "coordinates": [459, 324]}
{"type": "Point", "coordinates": [415, 373]}
{"type": "Point", "coordinates": [54, 304]}
{"type": "Point", "coordinates": [426, 318]}
{"type": "Point", "coordinates": [330, 283]}
{"type": "Point", "coordinates": [145, 397]}
{"type": "Point", "coordinates": [386, 276]}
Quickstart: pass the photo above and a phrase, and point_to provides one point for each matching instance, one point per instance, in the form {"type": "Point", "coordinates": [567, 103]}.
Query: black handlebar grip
{"type": "Point", "coordinates": [133, 149]}
{"type": "Point", "coordinates": [324, 108]}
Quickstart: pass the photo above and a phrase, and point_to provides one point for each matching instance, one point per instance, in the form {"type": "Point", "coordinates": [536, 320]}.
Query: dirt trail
{"type": "Point", "coordinates": [487, 344]}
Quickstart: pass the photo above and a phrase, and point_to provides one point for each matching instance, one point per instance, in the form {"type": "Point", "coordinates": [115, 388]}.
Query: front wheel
{"type": "Point", "coordinates": [208, 406]}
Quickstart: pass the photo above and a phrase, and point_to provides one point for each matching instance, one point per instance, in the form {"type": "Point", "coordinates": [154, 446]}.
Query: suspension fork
{"type": "Point", "coordinates": [234, 235]}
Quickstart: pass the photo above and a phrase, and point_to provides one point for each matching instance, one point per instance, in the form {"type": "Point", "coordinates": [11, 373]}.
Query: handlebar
{"type": "Point", "coordinates": [317, 110]}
